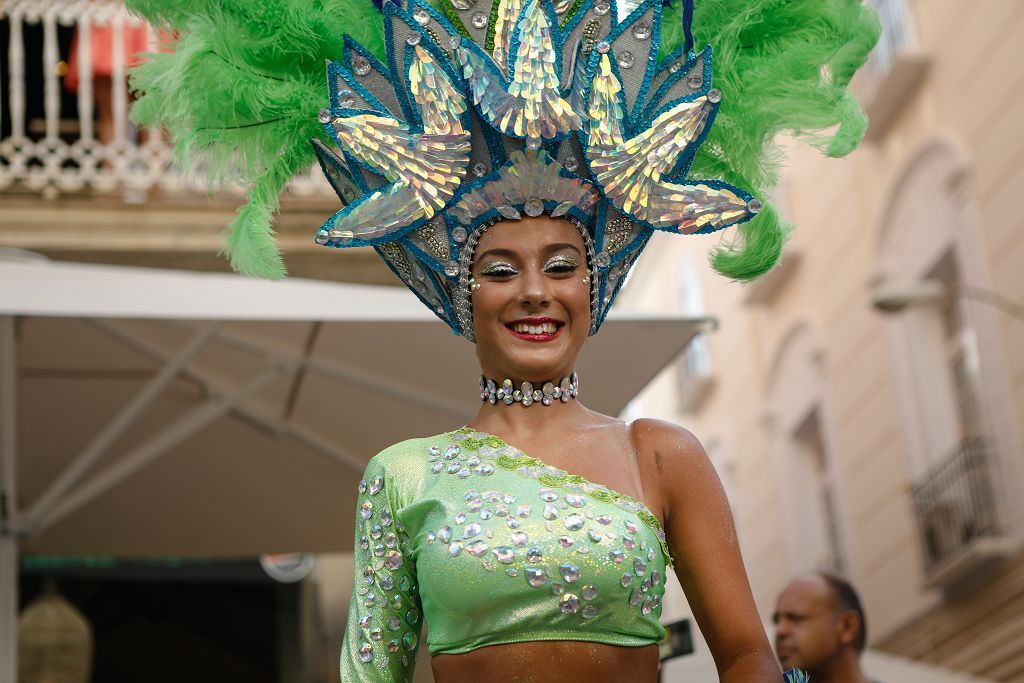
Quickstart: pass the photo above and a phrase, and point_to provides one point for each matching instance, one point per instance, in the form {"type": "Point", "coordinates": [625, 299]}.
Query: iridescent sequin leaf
{"type": "Point", "coordinates": [423, 168]}
{"type": "Point", "coordinates": [531, 105]}
{"type": "Point", "coordinates": [507, 13]}
{"type": "Point", "coordinates": [636, 173]}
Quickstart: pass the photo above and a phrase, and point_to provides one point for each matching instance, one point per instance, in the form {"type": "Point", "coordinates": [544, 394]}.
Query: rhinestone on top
{"type": "Point", "coordinates": [535, 577]}
{"type": "Point", "coordinates": [569, 603]}
{"type": "Point", "coordinates": [574, 522]}
{"type": "Point", "coordinates": [504, 554]}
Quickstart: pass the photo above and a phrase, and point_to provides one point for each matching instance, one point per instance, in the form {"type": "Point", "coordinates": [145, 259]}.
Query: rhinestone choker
{"type": "Point", "coordinates": [526, 394]}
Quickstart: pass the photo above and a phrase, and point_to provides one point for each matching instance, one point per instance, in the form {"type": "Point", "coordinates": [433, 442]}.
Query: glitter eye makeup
{"type": "Point", "coordinates": [498, 269]}
{"type": "Point", "coordinates": [563, 263]}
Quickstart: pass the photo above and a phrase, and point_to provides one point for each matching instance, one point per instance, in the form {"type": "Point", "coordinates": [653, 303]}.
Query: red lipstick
{"type": "Point", "coordinates": [539, 329]}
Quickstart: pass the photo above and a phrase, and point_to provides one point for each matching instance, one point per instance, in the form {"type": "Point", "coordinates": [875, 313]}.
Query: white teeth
{"type": "Point", "coordinates": [543, 328]}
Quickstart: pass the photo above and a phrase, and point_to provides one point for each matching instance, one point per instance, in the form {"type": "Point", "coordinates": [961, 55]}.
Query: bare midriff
{"type": "Point", "coordinates": [566, 661]}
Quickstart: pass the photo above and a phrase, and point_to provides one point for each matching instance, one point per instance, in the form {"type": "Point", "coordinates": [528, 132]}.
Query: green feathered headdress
{"type": "Point", "coordinates": [242, 93]}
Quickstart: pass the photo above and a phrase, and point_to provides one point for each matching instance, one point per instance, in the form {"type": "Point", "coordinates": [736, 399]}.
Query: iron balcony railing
{"type": "Point", "coordinates": [955, 504]}
{"type": "Point", "coordinates": [65, 104]}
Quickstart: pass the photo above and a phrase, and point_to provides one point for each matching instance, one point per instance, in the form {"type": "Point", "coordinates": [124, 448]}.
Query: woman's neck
{"type": "Point", "coordinates": [516, 423]}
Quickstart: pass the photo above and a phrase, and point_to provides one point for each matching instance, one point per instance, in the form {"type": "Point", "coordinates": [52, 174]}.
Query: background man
{"type": "Point", "coordinates": [820, 628]}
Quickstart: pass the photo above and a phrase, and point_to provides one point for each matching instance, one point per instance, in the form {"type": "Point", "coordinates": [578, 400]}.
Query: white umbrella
{"type": "Point", "coordinates": [155, 412]}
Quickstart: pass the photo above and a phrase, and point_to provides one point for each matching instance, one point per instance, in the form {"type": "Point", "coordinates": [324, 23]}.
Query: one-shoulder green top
{"type": "Point", "coordinates": [488, 545]}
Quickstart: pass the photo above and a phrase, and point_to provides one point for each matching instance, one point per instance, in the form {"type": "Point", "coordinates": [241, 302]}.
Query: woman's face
{"type": "Point", "coordinates": [531, 313]}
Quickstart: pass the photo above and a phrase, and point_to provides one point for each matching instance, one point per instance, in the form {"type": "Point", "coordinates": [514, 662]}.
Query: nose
{"type": "Point", "coordinates": [535, 291]}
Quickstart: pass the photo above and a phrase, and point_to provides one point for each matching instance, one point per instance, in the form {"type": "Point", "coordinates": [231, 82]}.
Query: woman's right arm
{"type": "Point", "coordinates": [384, 615]}
{"type": "Point", "coordinates": [701, 536]}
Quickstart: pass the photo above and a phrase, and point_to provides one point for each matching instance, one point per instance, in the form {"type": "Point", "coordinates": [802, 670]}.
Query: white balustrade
{"type": "Point", "coordinates": [897, 50]}
{"type": "Point", "coordinates": [63, 150]}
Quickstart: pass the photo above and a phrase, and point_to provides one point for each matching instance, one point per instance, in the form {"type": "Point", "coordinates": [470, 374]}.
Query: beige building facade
{"type": "Point", "coordinates": [884, 446]}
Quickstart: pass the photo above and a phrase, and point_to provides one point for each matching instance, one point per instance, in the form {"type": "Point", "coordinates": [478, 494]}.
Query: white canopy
{"type": "Point", "coordinates": [177, 413]}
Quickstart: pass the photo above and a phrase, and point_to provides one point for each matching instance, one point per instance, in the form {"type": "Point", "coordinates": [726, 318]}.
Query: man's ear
{"type": "Point", "coordinates": [849, 627]}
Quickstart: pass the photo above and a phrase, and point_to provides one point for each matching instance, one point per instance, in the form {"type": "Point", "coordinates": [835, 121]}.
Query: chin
{"type": "Point", "coordinates": [533, 360]}
{"type": "Point", "coordinates": [534, 370]}
{"type": "Point", "coordinates": [544, 363]}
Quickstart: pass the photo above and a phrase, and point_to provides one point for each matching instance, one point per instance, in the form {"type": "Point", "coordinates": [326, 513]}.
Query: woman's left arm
{"type": "Point", "coordinates": [702, 538]}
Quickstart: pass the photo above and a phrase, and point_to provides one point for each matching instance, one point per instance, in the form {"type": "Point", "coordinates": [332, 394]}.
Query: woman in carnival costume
{"type": "Point", "coordinates": [509, 162]}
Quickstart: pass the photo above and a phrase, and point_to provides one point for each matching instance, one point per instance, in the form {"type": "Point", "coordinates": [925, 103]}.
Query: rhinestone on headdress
{"type": "Point", "coordinates": [361, 67]}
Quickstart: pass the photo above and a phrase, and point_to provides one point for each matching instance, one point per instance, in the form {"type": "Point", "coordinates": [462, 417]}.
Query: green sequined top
{"type": "Point", "coordinates": [489, 546]}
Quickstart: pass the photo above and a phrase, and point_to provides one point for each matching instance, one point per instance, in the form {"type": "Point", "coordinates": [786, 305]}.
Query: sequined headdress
{"type": "Point", "coordinates": [481, 110]}
{"type": "Point", "coordinates": [520, 108]}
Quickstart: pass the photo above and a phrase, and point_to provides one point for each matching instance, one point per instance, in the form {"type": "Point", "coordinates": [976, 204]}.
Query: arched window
{"type": "Point", "coordinates": [798, 423]}
{"type": "Point", "coordinates": [950, 372]}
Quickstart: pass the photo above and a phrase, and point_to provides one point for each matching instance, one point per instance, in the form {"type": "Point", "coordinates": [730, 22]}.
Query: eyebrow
{"type": "Point", "coordinates": [560, 246]}
{"type": "Point", "coordinates": [509, 253]}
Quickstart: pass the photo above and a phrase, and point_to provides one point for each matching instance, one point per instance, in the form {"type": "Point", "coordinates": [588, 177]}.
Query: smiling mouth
{"type": "Point", "coordinates": [536, 329]}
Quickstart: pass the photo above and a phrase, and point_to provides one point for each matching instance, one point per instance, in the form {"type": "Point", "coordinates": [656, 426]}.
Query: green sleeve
{"type": "Point", "coordinates": [385, 614]}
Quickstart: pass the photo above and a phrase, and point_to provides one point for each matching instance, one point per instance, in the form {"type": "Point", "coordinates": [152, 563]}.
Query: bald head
{"type": "Point", "coordinates": [818, 620]}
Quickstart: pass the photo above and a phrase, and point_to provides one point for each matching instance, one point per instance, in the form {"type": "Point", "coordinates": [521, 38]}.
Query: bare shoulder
{"type": "Point", "coordinates": [674, 459]}
{"type": "Point", "coordinates": [667, 445]}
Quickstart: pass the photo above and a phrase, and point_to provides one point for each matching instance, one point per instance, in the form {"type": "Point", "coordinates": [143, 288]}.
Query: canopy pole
{"type": "Point", "coordinates": [174, 434]}
{"type": "Point", "coordinates": [368, 380]}
{"type": "Point", "coordinates": [259, 418]}
{"type": "Point", "coordinates": [44, 505]}
{"type": "Point", "coordinates": [9, 606]}
{"type": "Point", "coordinates": [8, 506]}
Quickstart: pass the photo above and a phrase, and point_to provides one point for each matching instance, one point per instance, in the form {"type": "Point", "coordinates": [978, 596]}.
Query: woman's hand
{"type": "Point", "coordinates": [702, 539]}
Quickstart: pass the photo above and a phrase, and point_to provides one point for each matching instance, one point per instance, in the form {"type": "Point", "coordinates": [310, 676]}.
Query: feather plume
{"type": "Point", "coordinates": [784, 67]}
{"type": "Point", "coordinates": [239, 94]}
